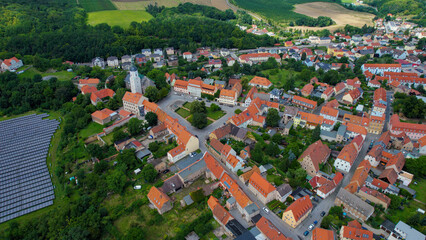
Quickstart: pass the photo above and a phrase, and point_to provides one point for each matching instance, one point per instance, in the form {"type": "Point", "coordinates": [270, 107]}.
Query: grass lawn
{"type": "Point", "coordinates": [92, 128]}
{"type": "Point", "coordinates": [183, 113]}
{"type": "Point", "coordinates": [420, 194]}
{"type": "Point", "coordinates": [403, 215]}
{"type": "Point", "coordinates": [97, 5]}
{"type": "Point", "coordinates": [277, 10]}
{"type": "Point", "coordinates": [60, 75]}
{"type": "Point", "coordinates": [108, 139]}
{"type": "Point", "coordinates": [215, 115]}
{"type": "Point", "coordinates": [277, 180]}
{"type": "Point", "coordinates": [121, 18]}
{"type": "Point", "coordinates": [279, 79]}
{"type": "Point", "coordinates": [187, 105]}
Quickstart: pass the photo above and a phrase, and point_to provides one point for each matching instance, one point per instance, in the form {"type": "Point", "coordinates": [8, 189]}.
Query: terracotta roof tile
{"type": "Point", "coordinates": [269, 230]}
{"type": "Point", "coordinates": [157, 197]}
{"type": "Point", "coordinates": [102, 114]}
{"type": "Point", "coordinates": [213, 165]}
{"type": "Point", "coordinates": [260, 81]}
{"type": "Point", "coordinates": [330, 111]}
{"type": "Point", "coordinates": [318, 153]}
{"type": "Point", "coordinates": [261, 185]}
{"type": "Point", "coordinates": [322, 234]}
{"type": "Point", "coordinates": [300, 207]}
{"type": "Point", "coordinates": [132, 97]}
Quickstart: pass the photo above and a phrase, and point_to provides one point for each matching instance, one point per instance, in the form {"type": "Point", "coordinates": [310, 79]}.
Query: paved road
{"type": "Point", "coordinates": [167, 105]}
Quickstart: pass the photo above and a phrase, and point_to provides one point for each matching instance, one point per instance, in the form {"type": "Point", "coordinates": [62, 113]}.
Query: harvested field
{"type": "Point", "coordinates": [141, 4]}
{"type": "Point", "coordinates": [339, 14]}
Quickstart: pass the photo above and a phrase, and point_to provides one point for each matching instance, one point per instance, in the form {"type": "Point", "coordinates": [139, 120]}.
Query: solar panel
{"type": "Point", "coordinates": [25, 184]}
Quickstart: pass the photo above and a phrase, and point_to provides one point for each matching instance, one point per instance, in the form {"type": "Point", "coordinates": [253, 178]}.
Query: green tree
{"type": "Point", "coordinates": [116, 181]}
{"type": "Point", "coordinates": [395, 201]}
{"type": "Point", "coordinates": [272, 149]}
{"type": "Point", "coordinates": [154, 146]}
{"type": "Point", "coordinates": [151, 118]}
{"type": "Point", "coordinates": [198, 107]}
{"type": "Point", "coordinates": [214, 107]}
{"type": "Point", "coordinates": [277, 138]}
{"type": "Point", "coordinates": [149, 173]}
{"type": "Point", "coordinates": [119, 135]}
{"type": "Point", "coordinates": [151, 93]}
{"type": "Point", "coordinates": [199, 120]}
{"type": "Point", "coordinates": [135, 233]}
{"type": "Point", "coordinates": [95, 150]}
{"type": "Point", "coordinates": [134, 126]}
{"type": "Point", "coordinates": [316, 134]}
{"type": "Point", "coordinates": [238, 111]}
{"type": "Point", "coordinates": [272, 118]}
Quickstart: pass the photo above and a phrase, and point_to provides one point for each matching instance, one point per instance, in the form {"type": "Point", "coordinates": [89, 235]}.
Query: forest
{"type": "Point", "coordinates": [321, 21]}
{"type": "Point", "coordinates": [58, 29]}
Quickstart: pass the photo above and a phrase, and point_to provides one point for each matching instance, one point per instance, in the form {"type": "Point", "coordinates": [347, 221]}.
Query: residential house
{"type": "Point", "coordinates": [307, 90]}
{"type": "Point", "coordinates": [219, 213]}
{"type": "Point", "coordinates": [283, 191]}
{"type": "Point", "coordinates": [181, 86]}
{"type": "Point", "coordinates": [112, 62]}
{"type": "Point", "coordinates": [290, 113]}
{"type": "Point", "coordinates": [194, 171]}
{"type": "Point", "coordinates": [352, 84]}
{"type": "Point", "coordinates": [158, 131]}
{"type": "Point", "coordinates": [339, 88]}
{"type": "Point", "coordinates": [263, 190]}
{"type": "Point", "coordinates": [101, 95]}
{"type": "Point", "coordinates": [269, 231]}
{"type": "Point", "coordinates": [353, 205]}
{"type": "Point", "coordinates": [374, 83]}
{"type": "Point", "coordinates": [11, 64]}
{"type": "Point", "coordinates": [297, 211]}
{"type": "Point", "coordinates": [378, 184]}
{"type": "Point", "coordinates": [328, 93]}
{"type": "Point", "coordinates": [405, 231]}
{"type": "Point", "coordinates": [413, 131]}
{"type": "Point", "coordinates": [304, 102]}
{"type": "Point", "coordinates": [354, 231]}
{"type": "Point", "coordinates": [187, 56]}
{"type": "Point", "coordinates": [159, 200]}
{"type": "Point", "coordinates": [89, 82]}
{"type": "Point", "coordinates": [308, 120]}
{"type": "Point", "coordinates": [103, 116]}
{"type": "Point", "coordinates": [228, 97]}
{"type": "Point", "coordinates": [321, 234]}
{"type": "Point", "coordinates": [229, 131]}
{"type": "Point", "coordinates": [422, 145]}
{"type": "Point", "coordinates": [317, 153]}
{"type": "Point", "coordinates": [379, 69]}
{"type": "Point", "coordinates": [214, 169]}
{"type": "Point", "coordinates": [133, 102]}
{"type": "Point", "coordinates": [323, 186]}
{"type": "Point", "coordinates": [359, 177]}
{"type": "Point", "coordinates": [208, 89]}
{"type": "Point", "coordinates": [352, 96]}
{"type": "Point", "coordinates": [260, 82]}
{"type": "Point", "coordinates": [98, 62]}
{"type": "Point", "coordinates": [374, 156]}
{"type": "Point", "coordinates": [346, 157]}
{"type": "Point", "coordinates": [373, 196]}
{"type": "Point", "coordinates": [253, 58]}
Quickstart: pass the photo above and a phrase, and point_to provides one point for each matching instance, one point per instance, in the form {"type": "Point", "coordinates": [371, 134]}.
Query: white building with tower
{"type": "Point", "coordinates": [135, 80]}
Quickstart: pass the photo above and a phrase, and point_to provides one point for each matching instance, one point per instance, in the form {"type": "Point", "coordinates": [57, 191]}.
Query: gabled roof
{"type": "Point", "coordinates": [322, 234]}
{"type": "Point", "coordinates": [132, 97]}
{"type": "Point", "coordinates": [300, 207]}
{"type": "Point", "coordinates": [246, 176]}
{"type": "Point", "coordinates": [213, 165]}
{"type": "Point", "coordinates": [260, 184]}
{"type": "Point", "coordinates": [157, 197]}
{"type": "Point", "coordinates": [89, 81]}
{"type": "Point", "coordinates": [216, 145]}
{"type": "Point", "coordinates": [359, 177]}
{"type": "Point", "coordinates": [348, 153]}
{"type": "Point", "coordinates": [88, 89]}
{"type": "Point", "coordinates": [356, 233]}
{"type": "Point", "coordinates": [235, 190]}
{"type": "Point", "coordinates": [332, 104]}
{"type": "Point", "coordinates": [330, 111]}
{"type": "Point", "coordinates": [307, 89]}
{"type": "Point", "coordinates": [219, 212]}
{"type": "Point", "coordinates": [382, 197]}
{"type": "Point", "coordinates": [317, 152]}
{"type": "Point", "coordinates": [422, 141]}
{"type": "Point", "coordinates": [260, 81]}
{"type": "Point", "coordinates": [102, 114]}
{"type": "Point", "coordinates": [103, 93]}
{"type": "Point", "coordinates": [269, 230]}
{"type": "Point", "coordinates": [397, 161]}
{"type": "Point", "coordinates": [350, 127]}
{"type": "Point", "coordinates": [379, 183]}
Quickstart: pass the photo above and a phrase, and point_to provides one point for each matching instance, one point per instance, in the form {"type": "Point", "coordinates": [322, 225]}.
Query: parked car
{"type": "Point", "coordinates": [311, 227]}
{"type": "Point", "coordinates": [322, 214]}
{"type": "Point", "coordinates": [315, 222]}
{"type": "Point", "coordinates": [306, 233]}
{"type": "Point", "coordinates": [137, 187]}
{"type": "Point", "coordinates": [166, 171]}
{"type": "Point", "coordinates": [265, 209]}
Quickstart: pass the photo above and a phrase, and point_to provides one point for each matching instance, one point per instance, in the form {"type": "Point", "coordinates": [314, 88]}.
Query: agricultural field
{"type": "Point", "coordinates": [60, 75]}
{"type": "Point", "coordinates": [118, 17]}
{"type": "Point", "coordinates": [141, 4]}
{"type": "Point", "coordinates": [96, 5]}
{"type": "Point", "coordinates": [339, 14]}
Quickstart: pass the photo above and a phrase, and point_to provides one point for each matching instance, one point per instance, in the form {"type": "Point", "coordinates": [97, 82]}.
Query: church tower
{"type": "Point", "coordinates": [135, 80]}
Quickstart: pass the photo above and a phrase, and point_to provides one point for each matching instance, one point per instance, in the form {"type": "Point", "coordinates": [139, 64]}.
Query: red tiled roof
{"type": "Point", "coordinates": [333, 104]}
{"type": "Point", "coordinates": [260, 81]}
{"type": "Point", "coordinates": [348, 153]}
{"type": "Point", "coordinates": [219, 212]}
{"type": "Point", "coordinates": [300, 207]}
{"type": "Point", "coordinates": [307, 89]}
{"type": "Point", "coordinates": [269, 230]}
{"type": "Point", "coordinates": [103, 93]}
{"type": "Point", "coordinates": [213, 165]}
{"type": "Point", "coordinates": [356, 233]}
{"type": "Point", "coordinates": [322, 234]}
{"type": "Point", "coordinates": [383, 65]}
{"type": "Point", "coordinates": [330, 111]}
{"type": "Point", "coordinates": [89, 81]}
{"type": "Point", "coordinates": [132, 97]}
{"type": "Point", "coordinates": [379, 183]}
{"type": "Point", "coordinates": [88, 89]}
{"type": "Point", "coordinates": [261, 184]}
{"type": "Point", "coordinates": [304, 100]}
{"type": "Point", "coordinates": [216, 145]}
{"type": "Point", "coordinates": [157, 197]}
{"type": "Point", "coordinates": [359, 177]}
{"type": "Point", "coordinates": [318, 153]}
{"type": "Point", "coordinates": [102, 114]}
{"type": "Point", "coordinates": [235, 190]}
{"type": "Point", "coordinates": [124, 113]}
{"type": "Point", "coordinates": [390, 175]}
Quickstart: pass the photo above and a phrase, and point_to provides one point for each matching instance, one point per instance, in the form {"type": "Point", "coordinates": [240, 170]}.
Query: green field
{"type": "Point", "coordinates": [121, 18]}
{"type": "Point", "coordinates": [61, 75]}
{"type": "Point", "coordinates": [91, 129]}
{"type": "Point", "coordinates": [215, 115]}
{"type": "Point", "coordinates": [96, 5]}
{"type": "Point", "coordinates": [277, 10]}
{"type": "Point", "coordinates": [183, 112]}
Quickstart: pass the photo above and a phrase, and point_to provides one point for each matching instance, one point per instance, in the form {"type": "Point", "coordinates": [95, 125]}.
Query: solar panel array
{"type": "Point", "coordinates": [25, 184]}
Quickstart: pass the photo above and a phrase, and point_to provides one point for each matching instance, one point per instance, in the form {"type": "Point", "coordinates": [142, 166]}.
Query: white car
{"type": "Point", "coordinates": [137, 187]}
{"type": "Point", "coordinates": [265, 209]}
{"type": "Point", "coordinates": [311, 227]}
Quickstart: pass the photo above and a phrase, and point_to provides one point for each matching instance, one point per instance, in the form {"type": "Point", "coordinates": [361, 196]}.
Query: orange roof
{"type": "Point", "coordinates": [88, 89]}
{"type": "Point", "coordinates": [379, 183]}
{"type": "Point", "coordinates": [102, 114]}
{"type": "Point", "coordinates": [305, 100]}
{"type": "Point", "coordinates": [261, 184]}
{"type": "Point", "coordinates": [348, 153]}
{"type": "Point", "coordinates": [246, 176]}
{"type": "Point", "coordinates": [359, 177]}
{"type": "Point", "coordinates": [330, 111]}
{"type": "Point", "coordinates": [219, 212]}
{"type": "Point", "coordinates": [307, 89]}
{"type": "Point", "coordinates": [339, 87]}
{"type": "Point", "coordinates": [300, 207]}
{"type": "Point", "coordinates": [322, 234]}
{"type": "Point", "coordinates": [124, 113]}
{"type": "Point", "coordinates": [382, 197]}
{"type": "Point", "coordinates": [269, 230]}
{"type": "Point", "coordinates": [407, 127]}
{"type": "Point", "coordinates": [311, 118]}
{"type": "Point", "coordinates": [260, 81]}
{"type": "Point", "coordinates": [333, 104]}
{"type": "Point", "coordinates": [132, 97]}
{"type": "Point", "coordinates": [216, 145]}
{"type": "Point", "coordinates": [181, 84]}
{"type": "Point", "coordinates": [247, 57]}
{"type": "Point", "coordinates": [252, 91]}
{"type": "Point", "coordinates": [8, 62]}
{"type": "Point", "coordinates": [89, 81]}
{"type": "Point", "coordinates": [195, 82]}
{"type": "Point", "coordinates": [235, 190]}
{"type": "Point", "coordinates": [177, 150]}
{"type": "Point", "coordinates": [227, 93]}
{"type": "Point", "coordinates": [232, 160]}
{"type": "Point", "coordinates": [356, 128]}
{"type": "Point", "coordinates": [380, 94]}
{"type": "Point", "coordinates": [356, 233]}
{"type": "Point", "coordinates": [422, 141]}
{"type": "Point", "coordinates": [157, 197]}
{"type": "Point", "coordinates": [213, 165]}
{"type": "Point", "coordinates": [362, 121]}
{"type": "Point", "coordinates": [208, 87]}
{"type": "Point", "coordinates": [103, 93]}
{"type": "Point", "coordinates": [383, 65]}
{"type": "Point", "coordinates": [398, 160]}
{"type": "Point", "coordinates": [328, 91]}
